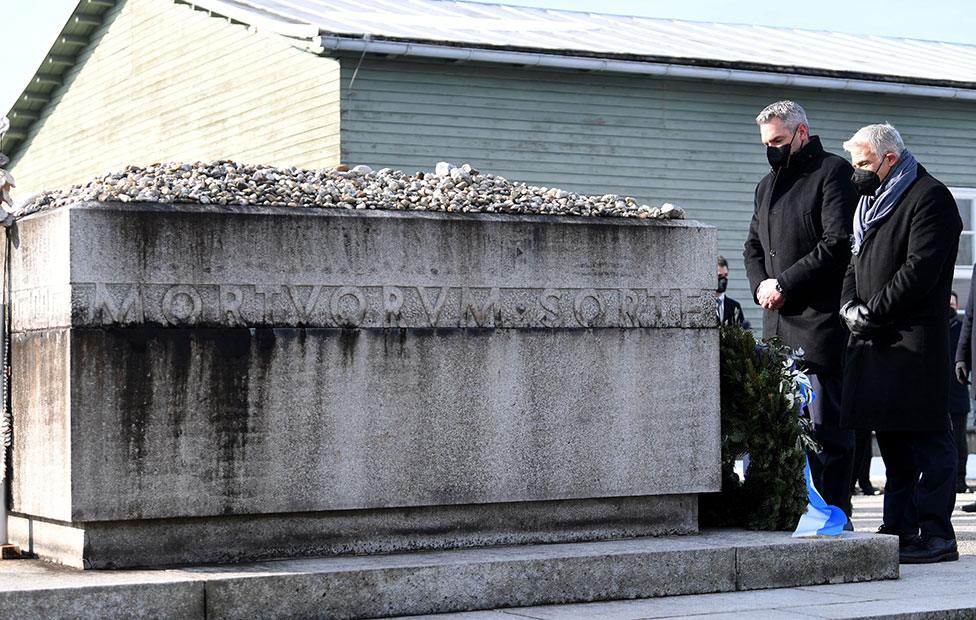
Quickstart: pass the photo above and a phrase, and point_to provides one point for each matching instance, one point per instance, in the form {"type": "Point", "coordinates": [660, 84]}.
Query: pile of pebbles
{"type": "Point", "coordinates": [451, 189]}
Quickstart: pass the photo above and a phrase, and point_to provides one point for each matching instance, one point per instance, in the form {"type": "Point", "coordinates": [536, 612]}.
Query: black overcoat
{"type": "Point", "coordinates": [897, 380]}
{"type": "Point", "coordinates": [800, 235]}
{"type": "Point", "coordinates": [958, 394]}
{"type": "Point", "coordinates": [966, 349]}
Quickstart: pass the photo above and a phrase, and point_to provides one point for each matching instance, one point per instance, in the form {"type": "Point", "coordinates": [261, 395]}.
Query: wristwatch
{"type": "Point", "coordinates": [779, 289]}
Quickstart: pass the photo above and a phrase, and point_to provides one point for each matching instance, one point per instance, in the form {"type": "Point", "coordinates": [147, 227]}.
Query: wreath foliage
{"type": "Point", "coordinates": [761, 395]}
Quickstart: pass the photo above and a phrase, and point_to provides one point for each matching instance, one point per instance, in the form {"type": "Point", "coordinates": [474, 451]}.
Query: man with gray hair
{"type": "Point", "coordinates": [906, 233]}
{"type": "Point", "coordinates": [796, 253]}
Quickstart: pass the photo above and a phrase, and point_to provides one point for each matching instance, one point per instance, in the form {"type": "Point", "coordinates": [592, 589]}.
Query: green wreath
{"type": "Point", "coordinates": [760, 402]}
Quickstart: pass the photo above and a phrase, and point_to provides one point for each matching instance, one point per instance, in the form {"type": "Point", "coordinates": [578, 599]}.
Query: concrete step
{"type": "Point", "coordinates": [451, 581]}
{"type": "Point", "coordinates": [922, 592]}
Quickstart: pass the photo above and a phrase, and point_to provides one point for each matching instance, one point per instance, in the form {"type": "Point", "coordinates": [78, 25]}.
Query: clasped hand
{"type": "Point", "coordinates": [769, 298]}
{"type": "Point", "coordinates": [858, 319]}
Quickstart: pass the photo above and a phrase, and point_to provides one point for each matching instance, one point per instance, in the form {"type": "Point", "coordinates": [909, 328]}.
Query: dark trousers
{"type": "Point", "coordinates": [833, 467]}
{"type": "Point", "coordinates": [862, 460]}
{"type": "Point", "coordinates": [962, 447]}
{"type": "Point", "coordinates": [921, 482]}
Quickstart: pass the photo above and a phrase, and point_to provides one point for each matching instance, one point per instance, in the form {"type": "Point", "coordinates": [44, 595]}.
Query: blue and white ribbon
{"type": "Point", "coordinates": [821, 518]}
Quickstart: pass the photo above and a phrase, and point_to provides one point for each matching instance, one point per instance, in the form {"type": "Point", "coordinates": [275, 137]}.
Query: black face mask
{"type": "Point", "coordinates": [779, 156]}
{"type": "Point", "coordinates": [867, 181]}
{"type": "Point", "coordinates": [723, 283]}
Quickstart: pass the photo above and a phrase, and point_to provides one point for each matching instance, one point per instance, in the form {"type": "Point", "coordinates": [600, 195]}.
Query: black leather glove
{"type": "Point", "coordinates": [962, 373]}
{"type": "Point", "coordinates": [858, 320]}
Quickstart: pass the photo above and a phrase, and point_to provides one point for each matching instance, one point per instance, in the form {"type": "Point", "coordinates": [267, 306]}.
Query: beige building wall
{"type": "Point", "coordinates": [162, 81]}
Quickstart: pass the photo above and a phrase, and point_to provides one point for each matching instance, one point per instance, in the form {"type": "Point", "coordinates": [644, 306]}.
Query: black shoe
{"type": "Point", "coordinates": [904, 540]}
{"type": "Point", "coordinates": [929, 550]}
{"type": "Point", "coordinates": [968, 507]}
{"type": "Point", "coordinates": [870, 491]}
{"type": "Point", "coordinates": [962, 487]}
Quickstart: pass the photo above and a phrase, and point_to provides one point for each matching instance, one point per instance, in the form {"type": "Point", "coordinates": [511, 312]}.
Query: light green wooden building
{"type": "Point", "coordinates": [657, 109]}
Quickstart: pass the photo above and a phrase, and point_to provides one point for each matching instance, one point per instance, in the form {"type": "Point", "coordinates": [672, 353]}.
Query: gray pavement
{"type": "Point", "coordinates": [936, 591]}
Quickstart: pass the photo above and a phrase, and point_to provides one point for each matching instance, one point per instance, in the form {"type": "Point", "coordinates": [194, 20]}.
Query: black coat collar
{"type": "Point", "coordinates": [783, 178]}
{"type": "Point", "coordinates": [810, 151]}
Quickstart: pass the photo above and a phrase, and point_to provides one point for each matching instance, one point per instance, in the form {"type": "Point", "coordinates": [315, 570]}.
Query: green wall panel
{"type": "Point", "coordinates": [693, 143]}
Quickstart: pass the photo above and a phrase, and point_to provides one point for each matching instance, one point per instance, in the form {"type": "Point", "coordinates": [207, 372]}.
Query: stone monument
{"type": "Point", "coordinates": [202, 384]}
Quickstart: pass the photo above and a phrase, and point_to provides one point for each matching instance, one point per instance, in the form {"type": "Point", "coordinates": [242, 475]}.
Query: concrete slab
{"type": "Point", "coordinates": [855, 559]}
{"type": "Point", "coordinates": [474, 579]}
{"type": "Point", "coordinates": [32, 589]}
{"type": "Point", "coordinates": [423, 582]}
{"type": "Point", "coordinates": [222, 540]}
{"type": "Point", "coordinates": [155, 600]}
{"type": "Point", "coordinates": [677, 606]}
{"type": "Point", "coordinates": [962, 606]}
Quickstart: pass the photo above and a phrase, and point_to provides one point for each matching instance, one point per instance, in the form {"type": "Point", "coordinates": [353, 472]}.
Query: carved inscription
{"type": "Point", "coordinates": [41, 307]}
{"type": "Point", "coordinates": [388, 306]}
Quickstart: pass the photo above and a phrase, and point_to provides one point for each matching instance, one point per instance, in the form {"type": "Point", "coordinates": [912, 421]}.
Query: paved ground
{"type": "Point", "coordinates": [936, 591]}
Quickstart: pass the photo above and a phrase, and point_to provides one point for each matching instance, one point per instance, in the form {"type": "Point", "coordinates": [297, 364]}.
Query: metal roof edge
{"type": "Point", "coordinates": [63, 54]}
{"type": "Point", "coordinates": [59, 59]}
{"type": "Point", "coordinates": [248, 12]}
{"type": "Point", "coordinates": [240, 12]}
{"type": "Point", "coordinates": [673, 67]}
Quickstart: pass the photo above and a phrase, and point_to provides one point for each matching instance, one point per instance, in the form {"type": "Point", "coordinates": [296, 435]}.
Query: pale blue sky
{"type": "Point", "coordinates": [29, 26]}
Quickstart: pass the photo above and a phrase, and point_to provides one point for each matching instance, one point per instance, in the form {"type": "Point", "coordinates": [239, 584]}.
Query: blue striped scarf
{"type": "Point", "coordinates": [872, 210]}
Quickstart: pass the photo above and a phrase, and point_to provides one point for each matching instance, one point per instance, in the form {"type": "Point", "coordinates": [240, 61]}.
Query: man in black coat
{"type": "Point", "coordinates": [958, 397]}
{"type": "Point", "coordinates": [906, 233]}
{"type": "Point", "coordinates": [795, 255]}
{"type": "Point", "coordinates": [965, 351]}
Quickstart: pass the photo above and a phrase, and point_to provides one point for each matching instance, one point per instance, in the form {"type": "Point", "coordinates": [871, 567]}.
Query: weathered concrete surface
{"type": "Point", "coordinates": [449, 581]}
{"type": "Point", "coordinates": [181, 599]}
{"type": "Point", "coordinates": [253, 537]}
{"type": "Point", "coordinates": [42, 446]}
{"type": "Point", "coordinates": [922, 592]}
{"type": "Point", "coordinates": [776, 560]}
{"type": "Point", "coordinates": [370, 419]}
{"type": "Point", "coordinates": [204, 362]}
{"type": "Point", "coordinates": [431, 582]}
{"type": "Point", "coordinates": [197, 265]}
{"type": "Point", "coordinates": [766, 566]}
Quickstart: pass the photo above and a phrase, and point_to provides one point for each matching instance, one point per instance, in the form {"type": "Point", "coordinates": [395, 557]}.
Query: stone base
{"type": "Point", "coordinates": [248, 538]}
{"type": "Point", "coordinates": [459, 580]}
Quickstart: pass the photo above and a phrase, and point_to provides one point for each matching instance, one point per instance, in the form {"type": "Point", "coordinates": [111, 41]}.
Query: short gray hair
{"type": "Point", "coordinates": [880, 139]}
{"type": "Point", "coordinates": [789, 112]}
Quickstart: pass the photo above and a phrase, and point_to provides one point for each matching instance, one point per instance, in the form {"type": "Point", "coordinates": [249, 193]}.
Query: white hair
{"type": "Point", "coordinates": [879, 139]}
{"type": "Point", "coordinates": [790, 113]}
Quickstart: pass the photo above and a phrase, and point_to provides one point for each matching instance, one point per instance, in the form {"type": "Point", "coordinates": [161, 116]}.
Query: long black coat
{"type": "Point", "coordinates": [800, 235]}
{"type": "Point", "coordinates": [897, 381]}
{"type": "Point", "coordinates": [966, 350]}
{"type": "Point", "coordinates": [958, 394]}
